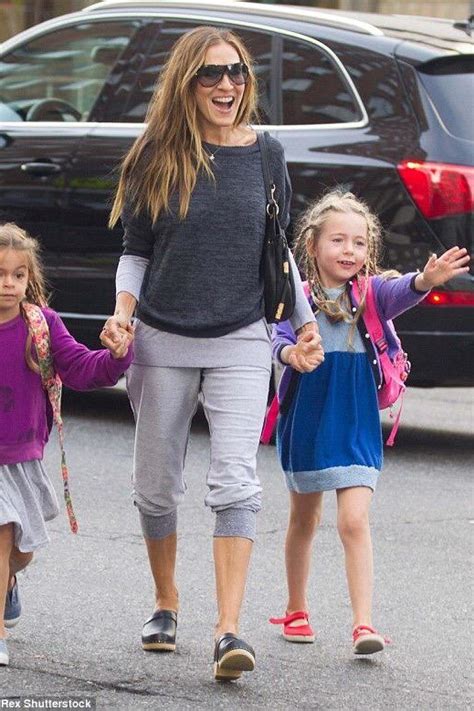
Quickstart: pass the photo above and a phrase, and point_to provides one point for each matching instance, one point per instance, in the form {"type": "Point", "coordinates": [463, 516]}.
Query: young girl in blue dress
{"type": "Point", "coordinates": [329, 432]}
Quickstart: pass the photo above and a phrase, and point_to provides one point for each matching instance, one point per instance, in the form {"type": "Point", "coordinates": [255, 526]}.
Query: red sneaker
{"type": "Point", "coordinates": [295, 633]}
{"type": "Point", "coordinates": [366, 640]}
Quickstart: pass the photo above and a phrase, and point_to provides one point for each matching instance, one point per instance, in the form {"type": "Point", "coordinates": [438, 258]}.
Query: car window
{"type": "Point", "coordinates": [450, 84]}
{"type": "Point", "coordinates": [59, 75]}
{"type": "Point", "coordinates": [117, 96]}
{"type": "Point", "coordinates": [134, 110]}
{"type": "Point", "coordinates": [314, 90]}
{"type": "Point", "coordinates": [259, 44]}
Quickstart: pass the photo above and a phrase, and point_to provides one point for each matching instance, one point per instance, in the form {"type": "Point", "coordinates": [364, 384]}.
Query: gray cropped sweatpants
{"type": "Point", "coordinates": [164, 401]}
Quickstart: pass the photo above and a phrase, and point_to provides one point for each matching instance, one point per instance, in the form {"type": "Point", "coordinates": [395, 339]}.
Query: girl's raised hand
{"type": "Point", "coordinates": [439, 270]}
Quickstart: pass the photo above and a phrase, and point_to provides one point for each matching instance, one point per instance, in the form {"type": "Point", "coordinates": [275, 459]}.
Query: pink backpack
{"type": "Point", "coordinates": [395, 371]}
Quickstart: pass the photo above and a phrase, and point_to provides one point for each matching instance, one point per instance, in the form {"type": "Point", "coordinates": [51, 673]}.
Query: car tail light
{"type": "Point", "coordinates": [449, 298]}
{"type": "Point", "coordinates": [439, 189]}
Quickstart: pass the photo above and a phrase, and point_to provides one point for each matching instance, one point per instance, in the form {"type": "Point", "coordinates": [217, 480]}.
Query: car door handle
{"type": "Point", "coordinates": [41, 168]}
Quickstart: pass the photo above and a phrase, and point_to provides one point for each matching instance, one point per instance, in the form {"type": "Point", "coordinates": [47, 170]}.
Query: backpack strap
{"type": "Point", "coordinates": [377, 334]}
{"type": "Point", "coordinates": [371, 316]}
{"type": "Point", "coordinates": [393, 432]}
{"type": "Point", "coordinates": [40, 335]}
{"type": "Point", "coordinates": [375, 328]}
{"type": "Point", "coordinates": [276, 407]}
{"type": "Point", "coordinates": [270, 421]}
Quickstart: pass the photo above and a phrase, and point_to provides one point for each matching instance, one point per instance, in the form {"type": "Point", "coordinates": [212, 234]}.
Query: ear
{"type": "Point", "coordinates": [311, 245]}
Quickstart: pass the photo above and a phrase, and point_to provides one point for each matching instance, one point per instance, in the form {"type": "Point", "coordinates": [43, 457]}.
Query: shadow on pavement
{"type": "Point", "coordinates": [419, 438]}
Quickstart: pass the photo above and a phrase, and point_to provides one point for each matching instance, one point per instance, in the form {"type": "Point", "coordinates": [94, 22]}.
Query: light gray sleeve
{"type": "Point", "coordinates": [130, 272]}
{"type": "Point", "coordinates": [303, 312]}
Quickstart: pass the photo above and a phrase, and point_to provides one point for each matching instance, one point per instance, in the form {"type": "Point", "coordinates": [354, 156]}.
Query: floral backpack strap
{"type": "Point", "coordinates": [39, 330]}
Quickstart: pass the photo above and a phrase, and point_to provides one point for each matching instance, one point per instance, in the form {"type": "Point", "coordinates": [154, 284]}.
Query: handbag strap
{"type": "Point", "coordinates": [267, 176]}
{"type": "Point", "coordinates": [40, 335]}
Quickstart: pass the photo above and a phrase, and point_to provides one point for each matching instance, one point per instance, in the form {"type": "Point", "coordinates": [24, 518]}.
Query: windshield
{"type": "Point", "coordinates": [450, 85]}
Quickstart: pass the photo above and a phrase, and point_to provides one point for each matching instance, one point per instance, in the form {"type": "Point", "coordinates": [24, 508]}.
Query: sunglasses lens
{"type": "Point", "coordinates": [211, 74]}
{"type": "Point", "coordinates": [238, 73]}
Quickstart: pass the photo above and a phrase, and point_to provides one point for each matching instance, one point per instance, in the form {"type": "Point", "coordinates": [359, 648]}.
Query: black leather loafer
{"type": "Point", "coordinates": [232, 656]}
{"type": "Point", "coordinates": [159, 631]}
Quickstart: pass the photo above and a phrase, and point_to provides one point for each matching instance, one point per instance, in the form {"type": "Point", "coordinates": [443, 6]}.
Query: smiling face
{"type": "Point", "coordinates": [13, 282]}
{"type": "Point", "coordinates": [340, 251]}
{"type": "Point", "coordinates": [218, 105]}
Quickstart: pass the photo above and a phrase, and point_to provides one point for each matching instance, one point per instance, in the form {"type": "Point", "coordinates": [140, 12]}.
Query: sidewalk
{"type": "Point", "coordinates": [86, 596]}
{"type": "Point", "coordinates": [445, 409]}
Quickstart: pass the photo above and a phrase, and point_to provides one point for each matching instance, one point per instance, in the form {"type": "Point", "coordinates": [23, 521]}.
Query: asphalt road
{"type": "Point", "coordinates": [85, 597]}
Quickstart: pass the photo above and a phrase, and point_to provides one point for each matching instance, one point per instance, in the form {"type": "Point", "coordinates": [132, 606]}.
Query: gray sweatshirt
{"type": "Point", "coordinates": [201, 276]}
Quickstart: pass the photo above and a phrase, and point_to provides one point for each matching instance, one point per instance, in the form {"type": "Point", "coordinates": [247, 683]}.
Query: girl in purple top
{"type": "Point", "coordinates": [27, 497]}
{"type": "Point", "coordinates": [329, 434]}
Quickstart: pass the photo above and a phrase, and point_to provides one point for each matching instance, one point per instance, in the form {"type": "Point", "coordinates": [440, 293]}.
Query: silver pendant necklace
{"type": "Point", "coordinates": [212, 154]}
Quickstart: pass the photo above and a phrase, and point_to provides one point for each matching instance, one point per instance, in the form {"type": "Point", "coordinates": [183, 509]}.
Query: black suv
{"type": "Point", "coordinates": [380, 104]}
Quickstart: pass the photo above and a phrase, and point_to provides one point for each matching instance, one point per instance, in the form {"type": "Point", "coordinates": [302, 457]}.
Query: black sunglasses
{"type": "Point", "coordinates": [211, 74]}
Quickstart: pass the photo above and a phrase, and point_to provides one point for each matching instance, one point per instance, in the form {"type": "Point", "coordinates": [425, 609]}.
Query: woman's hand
{"type": "Point", "coordinates": [119, 342]}
{"type": "Point", "coordinates": [118, 332]}
{"type": "Point", "coordinates": [308, 352]}
{"type": "Point", "coordinates": [124, 308]}
{"type": "Point", "coordinates": [115, 325]}
{"type": "Point", "coordinates": [439, 270]}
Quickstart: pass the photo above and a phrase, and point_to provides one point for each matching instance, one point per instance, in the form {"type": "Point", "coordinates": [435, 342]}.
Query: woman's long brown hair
{"type": "Point", "coordinates": [169, 154]}
{"type": "Point", "coordinates": [13, 237]}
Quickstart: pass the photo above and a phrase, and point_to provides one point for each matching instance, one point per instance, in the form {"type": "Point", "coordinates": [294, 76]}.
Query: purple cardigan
{"type": "Point", "coordinates": [25, 413]}
{"type": "Point", "coordinates": [392, 296]}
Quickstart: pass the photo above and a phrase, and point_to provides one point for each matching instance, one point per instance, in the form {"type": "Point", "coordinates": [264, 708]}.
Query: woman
{"type": "Point", "coordinates": [191, 199]}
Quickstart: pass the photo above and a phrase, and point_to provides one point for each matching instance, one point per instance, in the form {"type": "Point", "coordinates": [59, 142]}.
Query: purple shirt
{"type": "Point", "coordinates": [392, 297]}
{"type": "Point", "coordinates": [25, 413]}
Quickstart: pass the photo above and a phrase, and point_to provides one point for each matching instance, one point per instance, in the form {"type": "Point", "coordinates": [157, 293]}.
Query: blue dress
{"type": "Point", "coordinates": [330, 437]}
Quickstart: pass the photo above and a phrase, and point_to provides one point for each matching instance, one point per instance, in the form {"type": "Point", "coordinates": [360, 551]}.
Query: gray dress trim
{"type": "Point", "coordinates": [27, 499]}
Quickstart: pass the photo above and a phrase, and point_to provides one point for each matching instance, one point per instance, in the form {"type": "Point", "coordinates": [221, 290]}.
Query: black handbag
{"type": "Point", "coordinates": [279, 287]}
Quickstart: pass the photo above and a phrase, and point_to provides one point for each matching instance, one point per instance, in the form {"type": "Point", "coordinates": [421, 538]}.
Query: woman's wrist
{"type": "Point", "coordinates": [124, 306]}
{"type": "Point", "coordinates": [122, 315]}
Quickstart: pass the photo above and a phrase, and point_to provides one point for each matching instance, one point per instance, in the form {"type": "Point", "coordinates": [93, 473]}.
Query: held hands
{"type": "Point", "coordinates": [308, 352]}
{"type": "Point", "coordinates": [117, 335]}
{"type": "Point", "coordinates": [438, 270]}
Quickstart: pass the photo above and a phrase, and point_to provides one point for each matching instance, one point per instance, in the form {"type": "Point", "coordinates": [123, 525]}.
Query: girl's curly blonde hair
{"type": "Point", "coordinates": [309, 228]}
{"type": "Point", "coordinates": [14, 237]}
